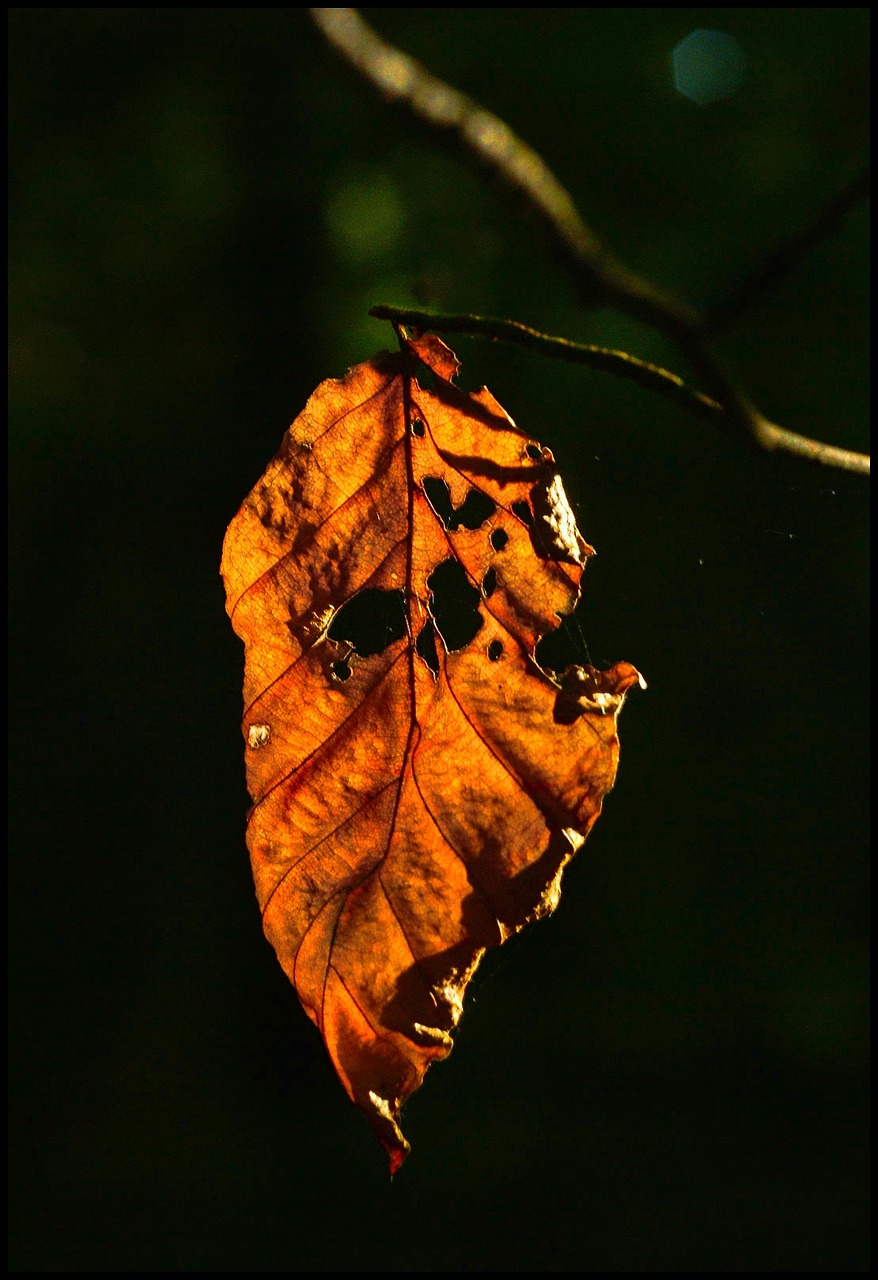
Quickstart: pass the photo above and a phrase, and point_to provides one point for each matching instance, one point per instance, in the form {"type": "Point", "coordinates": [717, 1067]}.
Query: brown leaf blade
{"type": "Point", "coordinates": [417, 805]}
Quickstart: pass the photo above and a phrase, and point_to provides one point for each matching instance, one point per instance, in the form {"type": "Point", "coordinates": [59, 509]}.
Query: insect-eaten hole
{"type": "Point", "coordinates": [370, 621]}
{"type": "Point", "coordinates": [417, 427]}
{"type": "Point", "coordinates": [523, 511]}
{"type": "Point", "coordinates": [562, 648]}
{"type": "Point", "coordinates": [454, 605]}
{"type": "Point", "coordinates": [489, 583]}
{"type": "Point", "coordinates": [534, 451]}
{"type": "Point", "coordinates": [498, 539]}
{"type": "Point", "coordinates": [472, 513]}
{"type": "Point", "coordinates": [341, 670]}
{"type": "Point", "coordinates": [495, 648]}
{"type": "Point", "coordinates": [425, 646]}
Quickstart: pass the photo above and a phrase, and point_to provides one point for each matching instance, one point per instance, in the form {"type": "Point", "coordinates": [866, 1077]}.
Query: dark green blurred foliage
{"type": "Point", "coordinates": [668, 1075]}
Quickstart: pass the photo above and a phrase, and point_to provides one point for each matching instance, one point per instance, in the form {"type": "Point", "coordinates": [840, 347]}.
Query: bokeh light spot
{"type": "Point", "coordinates": [708, 66]}
{"type": "Point", "coordinates": [365, 216]}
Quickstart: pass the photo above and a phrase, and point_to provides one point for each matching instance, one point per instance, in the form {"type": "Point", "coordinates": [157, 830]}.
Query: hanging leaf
{"type": "Point", "coordinates": [418, 780]}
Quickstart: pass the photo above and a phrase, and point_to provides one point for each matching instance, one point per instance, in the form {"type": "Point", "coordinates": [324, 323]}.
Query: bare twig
{"type": "Point", "coordinates": [623, 365]}
{"type": "Point", "coordinates": [650, 376]}
{"type": "Point", "coordinates": [772, 269]}
{"type": "Point", "coordinates": [599, 276]}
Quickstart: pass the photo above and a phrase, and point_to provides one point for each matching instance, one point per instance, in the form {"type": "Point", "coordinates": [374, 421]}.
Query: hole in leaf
{"type": "Point", "coordinates": [565, 647]}
{"type": "Point", "coordinates": [523, 511]}
{"type": "Point", "coordinates": [499, 538]}
{"type": "Point", "coordinates": [370, 621]}
{"type": "Point", "coordinates": [454, 604]}
{"type": "Point", "coordinates": [534, 451]}
{"type": "Point", "coordinates": [425, 645]}
{"type": "Point", "coordinates": [439, 498]}
{"type": "Point", "coordinates": [489, 582]}
{"type": "Point", "coordinates": [341, 670]}
{"type": "Point", "coordinates": [477, 507]}
{"type": "Point", "coordinates": [471, 514]}
{"type": "Point", "coordinates": [417, 427]}
{"type": "Point", "coordinates": [495, 648]}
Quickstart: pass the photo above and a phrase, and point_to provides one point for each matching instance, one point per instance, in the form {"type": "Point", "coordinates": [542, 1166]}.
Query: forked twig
{"type": "Point", "coordinates": [786, 257]}
{"type": "Point", "coordinates": [599, 276]}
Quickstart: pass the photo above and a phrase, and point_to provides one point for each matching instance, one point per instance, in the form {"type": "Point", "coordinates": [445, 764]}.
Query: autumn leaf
{"type": "Point", "coordinates": [416, 794]}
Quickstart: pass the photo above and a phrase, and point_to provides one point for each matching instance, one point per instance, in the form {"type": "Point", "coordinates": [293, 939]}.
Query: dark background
{"type": "Point", "coordinates": [670, 1074]}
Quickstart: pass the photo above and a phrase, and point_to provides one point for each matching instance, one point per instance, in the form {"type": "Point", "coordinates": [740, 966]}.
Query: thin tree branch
{"type": "Point", "coordinates": [786, 257]}
{"type": "Point", "coordinates": [598, 275]}
{"type": "Point", "coordinates": [650, 376]}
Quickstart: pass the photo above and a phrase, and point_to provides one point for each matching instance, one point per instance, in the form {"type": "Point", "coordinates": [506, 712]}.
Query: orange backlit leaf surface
{"type": "Point", "coordinates": [414, 805]}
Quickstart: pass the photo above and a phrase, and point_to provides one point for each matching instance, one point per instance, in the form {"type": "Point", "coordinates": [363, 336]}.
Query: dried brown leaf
{"type": "Point", "coordinates": [417, 805]}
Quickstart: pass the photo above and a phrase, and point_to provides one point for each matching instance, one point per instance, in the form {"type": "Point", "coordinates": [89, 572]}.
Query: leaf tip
{"type": "Point", "coordinates": [390, 1135]}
